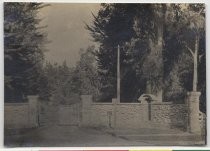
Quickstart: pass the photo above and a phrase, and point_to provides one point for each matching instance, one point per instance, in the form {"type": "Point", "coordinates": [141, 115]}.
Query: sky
{"type": "Point", "coordinates": [65, 28]}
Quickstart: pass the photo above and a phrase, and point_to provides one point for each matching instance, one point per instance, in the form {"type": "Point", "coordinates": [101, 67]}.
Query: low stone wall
{"type": "Point", "coordinates": [133, 115]}
{"type": "Point", "coordinates": [130, 115]}
{"type": "Point", "coordinates": [174, 114]}
{"type": "Point", "coordinates": [21, 115]}
{"type": "Point", "coordinates": [101, 115]}
{"type": "Point", "coordinates": [16, 115]}
{"type": "Point", "coordinates": [202, 120]}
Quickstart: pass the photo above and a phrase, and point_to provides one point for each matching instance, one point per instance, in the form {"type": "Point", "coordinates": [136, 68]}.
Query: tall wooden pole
{"type": "Point", "coordinates": [118, 74]}
{"type": "Point", "coordinates": [195, 58]}
{"type": "Point", "coordinates": [115, 101]}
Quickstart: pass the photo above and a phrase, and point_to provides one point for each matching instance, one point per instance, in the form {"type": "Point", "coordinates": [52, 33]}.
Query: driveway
{"type": "Point", "coordinates": [67, 136]}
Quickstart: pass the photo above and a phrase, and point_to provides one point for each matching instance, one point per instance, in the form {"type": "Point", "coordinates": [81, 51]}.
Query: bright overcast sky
{"type": "Point", "coordinates": [66, 30]}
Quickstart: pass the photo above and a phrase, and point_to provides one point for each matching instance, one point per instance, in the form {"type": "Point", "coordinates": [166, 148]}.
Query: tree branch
{"type": "Point", "coordinates": [200, 56]}
{"type": "Point", "coordinates": [185, 44]}
{"type": "Point", "coordinates": [200, 11]}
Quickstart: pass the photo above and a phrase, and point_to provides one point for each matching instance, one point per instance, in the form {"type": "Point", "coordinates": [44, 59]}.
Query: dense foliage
{"type": "Point", "coordinates": [64, 85]}
{"type": "Point", "coordinates": [23, 49]}
{"type": "Point", "coordinates": [154, 39]}
{"type": "Point", "coordinates": [112, 26]}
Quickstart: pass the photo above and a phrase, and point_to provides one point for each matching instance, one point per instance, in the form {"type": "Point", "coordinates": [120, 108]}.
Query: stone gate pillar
{"type": "Point", "coordinates": [193, 112]}
{"type": "Point", "coordinates": [86, 110]}
{"type": "Point", "coordinates": [33, 110]}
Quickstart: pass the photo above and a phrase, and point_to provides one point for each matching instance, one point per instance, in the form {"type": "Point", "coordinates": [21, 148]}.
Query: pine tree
{"type": "Point", "coordinates": [23, 49]}
{"type": "Point", "coordinates": [114, 25]}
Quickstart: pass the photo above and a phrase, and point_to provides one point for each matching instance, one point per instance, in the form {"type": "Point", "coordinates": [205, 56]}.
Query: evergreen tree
{"type": "Point", "coordinates": [114, 25]}
{"type": "Point", "coordinates": [23, 49]}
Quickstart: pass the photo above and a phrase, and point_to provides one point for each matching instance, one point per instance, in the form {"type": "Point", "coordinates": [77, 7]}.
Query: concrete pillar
{"type": "Point", "coordinates": [33, 110]}
{"type": "Point", "coordinates": [193, 112]}
{"type": "Point", "coordinates": [86, 110]}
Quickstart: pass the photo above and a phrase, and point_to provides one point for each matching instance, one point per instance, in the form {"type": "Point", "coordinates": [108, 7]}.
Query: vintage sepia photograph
{"type": "Point", "coordinates": [104, 74]}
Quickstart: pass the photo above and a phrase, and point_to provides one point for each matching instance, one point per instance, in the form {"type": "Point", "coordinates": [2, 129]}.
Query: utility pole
{"type": "Point", "coordinates": [118, 74]}
{"type": "Point", "coordinates": [115, 101]}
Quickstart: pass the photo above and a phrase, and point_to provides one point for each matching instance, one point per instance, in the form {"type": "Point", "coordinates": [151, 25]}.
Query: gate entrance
{"type": "Point", "coordinates": [69, 114]}
{"type": "Point", "coordinates": [48, 114]}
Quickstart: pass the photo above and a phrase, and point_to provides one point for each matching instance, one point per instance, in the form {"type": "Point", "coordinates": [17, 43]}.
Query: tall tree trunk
{"type": "Point", "coordinates": [157, 48]}
{"type": "Point", "coordinates": [195, 59]}
{"type": "Point", "coordinates": [159, 52]}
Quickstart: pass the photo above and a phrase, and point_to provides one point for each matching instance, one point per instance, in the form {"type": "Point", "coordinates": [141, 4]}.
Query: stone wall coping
{"type": "Point", "coordinates": [134, 103]}
{"type": "Point", "coordinates": [162, 103]}
{"type": "Point", "coordinates": [168, 104]}
{"type": "Point", "coordinates": [111, 103]}
{"type": "Point", "coordinates": [139, 104]}
{"type": "Point", "coordinates": [86, 95]}
{"type": "Point", "coordinates": [69, 104]}
{"type": "Point", "coordinates": [129, 103]}
{"type": "Point", "coordinates": [194, 93]}
{"type": "Point", "coordinates": [32, 96]}
{"type": "Point", "coordinates": [15, 104]}
{"type": "Point", "coordinates": [65, 105]}
{"type": "Point", "coordinates": [102, 103]}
